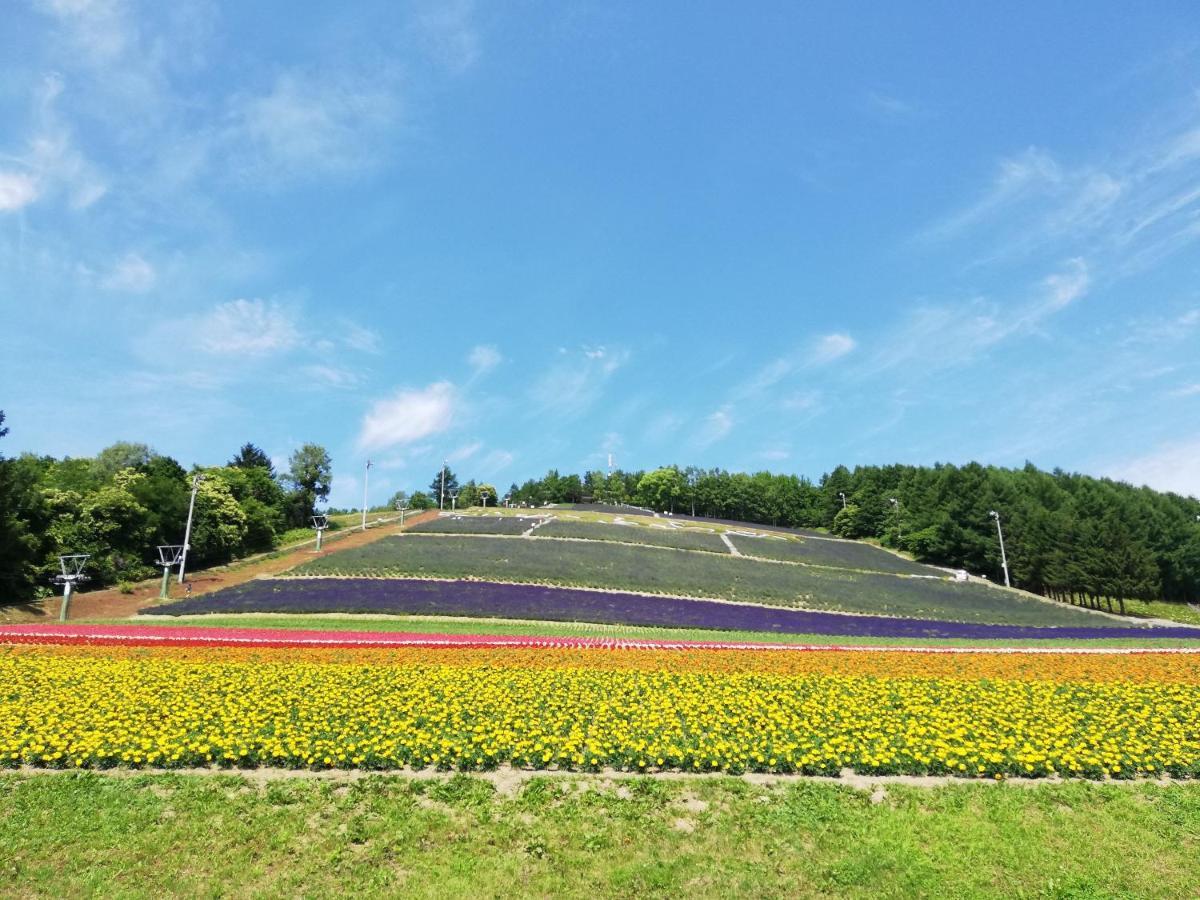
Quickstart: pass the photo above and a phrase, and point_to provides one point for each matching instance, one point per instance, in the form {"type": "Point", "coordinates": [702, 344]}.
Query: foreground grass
{"type": "Point", "coordinates": [71, 835]}
{"type": "Point", "coordinates": [454, 625]}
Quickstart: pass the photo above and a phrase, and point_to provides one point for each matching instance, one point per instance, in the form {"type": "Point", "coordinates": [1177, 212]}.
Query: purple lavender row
{"type": "Point", "coordinates": [515, 601]}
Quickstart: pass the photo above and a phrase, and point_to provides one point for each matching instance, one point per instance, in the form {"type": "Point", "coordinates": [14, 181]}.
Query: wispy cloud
{"type": "Point", "coordinates": [569, 387]}
{"type": "Point", "coordinates": [716, 426]}
{"type": "Point", "coordinates": [309, 124]}
{"type": "Point", "coordinates": [889, 106]}
{"type": "Point", "coordinates": [331, 376]}
{"type": "Point", "coordinates": [448, 33]}
{"type": "Point", "coordinates": [1186, 390]}
{"type": "Point", "coordinates": [130, 274]}
{"type": "Point", "coordinates": [17, 190]}
{"type": "Point", "coordinates": [483, 358]}
{"type": "Point", "coordinates": [409, 415]}
{"type": "Point", "coordinates": [831, 347]}
{"type": "Point", "coordinates": [248, 328]}
{"type": "Point", "coordinates": [1172, 466]}
{"type": "Point", "coordinates": [464, 451]}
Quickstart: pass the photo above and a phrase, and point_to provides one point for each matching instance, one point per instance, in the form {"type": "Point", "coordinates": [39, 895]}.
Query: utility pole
{"type": "Point", "coordinates": [187, 533]}
{"type": "Point", "coordinates": [366, 475]}
{"type": "Point", "coordinates": [1003, 556]}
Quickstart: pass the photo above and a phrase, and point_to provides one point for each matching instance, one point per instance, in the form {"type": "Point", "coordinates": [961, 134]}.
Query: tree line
{"type": "Point", "coordinates": [122, 503]}
{"type": "Point", "coordinates": [1084, 540]}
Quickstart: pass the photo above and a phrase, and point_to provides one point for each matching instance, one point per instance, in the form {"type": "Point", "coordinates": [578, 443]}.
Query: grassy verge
{"type": "Point", "coordinates": [628, 567]}
{"type": "Point", "coordinates": [455, 625]}
{"type": "Point", "coordinates": [69, 835]}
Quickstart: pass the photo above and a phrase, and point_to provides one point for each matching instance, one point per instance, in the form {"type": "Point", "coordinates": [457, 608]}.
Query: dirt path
{"type": "Point", "coordinates": [112, 604]}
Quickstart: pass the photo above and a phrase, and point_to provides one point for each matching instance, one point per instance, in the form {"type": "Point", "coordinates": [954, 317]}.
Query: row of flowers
{"type": "Point", "coordinates": [873, 713]}
{"type": "Point", "coordinates": [528, 601]}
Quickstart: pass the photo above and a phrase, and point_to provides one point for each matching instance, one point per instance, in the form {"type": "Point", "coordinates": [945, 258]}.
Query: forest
{"type": "Point", "coordinates": [119, 505]}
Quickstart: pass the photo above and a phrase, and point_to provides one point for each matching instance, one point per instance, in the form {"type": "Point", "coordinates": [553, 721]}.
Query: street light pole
{"type": "Point", "coordinates": [1003, 556]}
{"type": "Point", "coordinates": [899, 527]}
{"type": "Point", "coordinates": [842, 494]}
{"type": "Point", "coordinates": [187, 533]}
{"type": "Point", "coordinates": [366, 476]}
{"type": "Point", "coordinates": [442, 490]}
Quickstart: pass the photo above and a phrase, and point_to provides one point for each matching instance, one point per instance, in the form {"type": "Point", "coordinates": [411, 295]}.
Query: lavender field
{"type": "Point", "coordinates": [535, 602]}
{"type": "Point", "coordinates": [625, 567]}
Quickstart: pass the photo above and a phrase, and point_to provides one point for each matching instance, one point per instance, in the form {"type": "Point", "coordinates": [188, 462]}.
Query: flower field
{"type": "Point", "coordinates": [976, 715]}
{"type": "Point", "coordinates": [496, 525]}
{"type": "Point", "coordinates": [678, 538]}
{"type": "Point", "coordinates": [615, 566]}
{"type": "Point", "coordinates": [539, 602]}
{"type": "Point", "coordinates": [837, 554]}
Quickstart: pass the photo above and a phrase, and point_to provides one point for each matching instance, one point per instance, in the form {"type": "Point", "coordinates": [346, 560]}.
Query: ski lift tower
{"type": "Point", "coordinates": [320, 523]}
{"type": "Point", "coordinates": [453, 495]}
{"type": "Point", "coordinates": [169, 556]}
{"type": "Point", "coordinates": [72, 574]}
{"type": "Point", "coordinates": [402, 505]}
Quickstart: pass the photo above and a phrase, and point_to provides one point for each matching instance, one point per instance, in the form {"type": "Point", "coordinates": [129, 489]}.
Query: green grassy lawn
{"type": "Point", "coordinates": [76, 835]}
{"type": "Point", "coordinates": [628, 567]}
{"type": "Point", "coordinates": [456, 625]}
{"type": "Point", "coordinates": [1161, 609]}
{"type": "Point", "coordinates": [647, 535]}
{"type": "Point", "coordinates": [839, 554]}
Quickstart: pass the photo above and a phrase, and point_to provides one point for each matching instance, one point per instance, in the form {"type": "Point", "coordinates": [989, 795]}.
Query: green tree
{"type": "Point", "coordinates": [662, 489]}
{"type": "Point", "coordinates": [310, 470]}
{"type": "Point", "coordinates": [421, 500]}
{"type": "Point", "coordinates": [439, 489]}
{"type": "Point", "coordinates": [121, 455]}
{"type": "Point", "coordinates": [23, 538]}
{"type": "Point", "coordinates": [252, 457]}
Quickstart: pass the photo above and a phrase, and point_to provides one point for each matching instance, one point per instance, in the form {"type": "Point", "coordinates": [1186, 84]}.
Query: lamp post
{"type": "Point", "coordinates": [442, 489]}
{"type": "Point", "coordinates": [453, 499]}
{"type": "Point", "coordinates": [366, 475]}
{"type": "Point", "coordinates": [899, 528]}
{"type": "Point", "coordinates": [168, 555]}
{"type": "Point", "coordinates": [842, 494]}
{"type": "Point", "coordinates": [187, 532]}
{"type": "Point", "coordinates": [1003, 556]}
{"type": "Point", "coordinates": [402, 505]}
{"type": "Point", "coordinates": [320, 523]}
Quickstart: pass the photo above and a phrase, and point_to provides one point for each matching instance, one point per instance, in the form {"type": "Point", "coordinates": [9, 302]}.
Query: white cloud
{"type": "Point", "coordinates": [17, 190]}
{"type": "Point", "coordinates": [494, 463]}
{"type": "Point", "coordinates": [715, 427]}
{"type": "Point", "coordinates": [131, 274]}
{"type": "Point", "coordinates": [409, 415]}
{"type": "Point", "coordinates": [802, 401]}
{"type": "Point", "coordinates": [570, 387]}
{"type": "Point", "coordinates": [331, 376]}
{"type": "Point", "coordinates": [1187, 390]}
{"type": "Point", "coordinates": [356, 337]}
{"type": "Point", "coordinates": [1063, 288]}
{"type": "Point", "coordinates": [466, 451]}
{"type": "Point", "coordinates": [483, 358]}
{"type": "Point", "coordinates": [247, 328]}
{"type": "Point", "coordinates": [774, 454]}
{"type": "Point", "coordinates": [889, 106]}
{"type": "Point", "coordinates": [831, 347]}
{"type": "Point", "coordinates": [310, 124]}
{"type": "Point", "coordinates": [1170, 467]}
{"type": "Point", "coordinates": [447, 32]}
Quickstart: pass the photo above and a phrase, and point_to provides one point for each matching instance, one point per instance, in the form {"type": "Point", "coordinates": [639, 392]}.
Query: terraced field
{"type": "Point", "coordinates": [648, 535]}
{"type": "Point", "coordinates": [625, 567]}
{"type": "Point", "coordinates": [503, 525]}
{"type": "Point", "coordinates": [839, 554]}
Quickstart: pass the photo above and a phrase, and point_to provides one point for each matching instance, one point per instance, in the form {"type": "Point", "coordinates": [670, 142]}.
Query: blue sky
{"type": "Point", "coordinates": [524, 235]}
